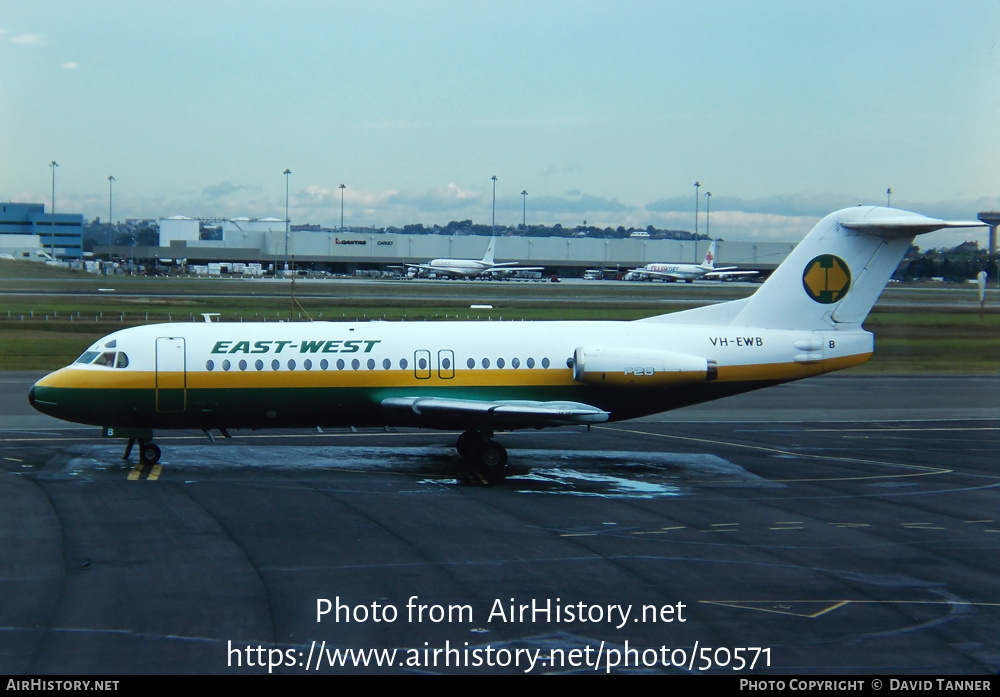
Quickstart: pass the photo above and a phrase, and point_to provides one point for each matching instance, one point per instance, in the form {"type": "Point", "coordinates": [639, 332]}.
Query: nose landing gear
{"type": "Point", "coordinates": [149, 453]}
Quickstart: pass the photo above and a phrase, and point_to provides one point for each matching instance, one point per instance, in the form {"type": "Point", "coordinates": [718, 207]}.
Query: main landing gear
{"type": "Point", "coordinates": [149, 453]}
{"type": "Point", "coordinates": [486, 457]}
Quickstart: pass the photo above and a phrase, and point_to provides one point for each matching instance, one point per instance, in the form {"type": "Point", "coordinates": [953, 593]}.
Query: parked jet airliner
{"type": "Point", "coordinates": [689, 272]}
{"type": "Point", "coordinates": [484, 377]}
{"type": "Point", "coordinates": [470, 268]}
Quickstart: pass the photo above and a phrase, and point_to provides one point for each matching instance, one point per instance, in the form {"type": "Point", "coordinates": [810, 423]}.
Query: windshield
{"type": "Point", "coordinates": [87, 357]}
{"type": "Point", "coordinates": [110, 359]}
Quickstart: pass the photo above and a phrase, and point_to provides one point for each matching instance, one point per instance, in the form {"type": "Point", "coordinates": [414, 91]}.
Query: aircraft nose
{"type": "Point", "coordinates": [39, 401]}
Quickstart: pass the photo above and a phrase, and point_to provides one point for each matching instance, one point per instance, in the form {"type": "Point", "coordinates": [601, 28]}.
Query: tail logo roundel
{"type": "Point", "coordinates": [826, 279]}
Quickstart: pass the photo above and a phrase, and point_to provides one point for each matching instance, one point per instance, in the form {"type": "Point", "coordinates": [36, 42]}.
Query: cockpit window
{"type": "Point", "coordinates": [88, 357]}
{"type": "Point", "coordinates": [109, 359]}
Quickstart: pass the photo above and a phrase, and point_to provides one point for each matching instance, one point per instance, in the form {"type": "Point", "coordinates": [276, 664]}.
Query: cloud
{"type": "Point", "coordinates": [26, 39]}
{"type": "Point", "coordinates": [578, 203]}
{"type": "Point", "coordinates": [70, 65]}
{"type": "Point", "coordinates": [462, 194]}
{"type": "Point", "coordinates": [801, 204]}
{"type": "Point", "coordinates": [784, 218]}
{"type": "Point", "coordinates": [226, 189]}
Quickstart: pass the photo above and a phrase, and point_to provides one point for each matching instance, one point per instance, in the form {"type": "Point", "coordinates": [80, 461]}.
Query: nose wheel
{"type": "Point", "coordinates": [486, 456]}
{"type": "Point", "coordinates": [149, 453]}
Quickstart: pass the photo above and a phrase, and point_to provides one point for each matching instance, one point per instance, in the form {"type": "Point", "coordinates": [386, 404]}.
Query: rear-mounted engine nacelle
{"type": "Point", "coordinates": [615, 367]}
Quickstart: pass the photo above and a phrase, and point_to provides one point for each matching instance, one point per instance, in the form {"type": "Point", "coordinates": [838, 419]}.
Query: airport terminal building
{"type": "Point", "coordinates": [28, 232]}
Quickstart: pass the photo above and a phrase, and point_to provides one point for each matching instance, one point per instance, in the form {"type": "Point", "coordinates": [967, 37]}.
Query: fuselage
{"type": "Point", "coordinates": [256, 375]}
{"type": "Point", "coordinates": [680, 271]}
{"type": "Point", "coordinates": [458, 267]}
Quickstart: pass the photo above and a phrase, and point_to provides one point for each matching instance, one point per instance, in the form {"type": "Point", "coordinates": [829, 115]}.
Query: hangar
{"type": "Point", "coordinates": [349, 250]}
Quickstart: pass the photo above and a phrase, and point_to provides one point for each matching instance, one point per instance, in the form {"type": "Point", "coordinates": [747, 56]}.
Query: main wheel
{"type": "Point", "coordinates": [149, 453]}
{"type": "Point", "coordinates": [493, 462]}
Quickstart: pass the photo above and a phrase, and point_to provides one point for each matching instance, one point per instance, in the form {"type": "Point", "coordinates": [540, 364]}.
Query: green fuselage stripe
{"type": "Point", "coordinates": [277, 407]}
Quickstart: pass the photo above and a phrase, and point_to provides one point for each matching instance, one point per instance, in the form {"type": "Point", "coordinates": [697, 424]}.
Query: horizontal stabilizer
{"type": "Point", "coordinates": [906, 225]}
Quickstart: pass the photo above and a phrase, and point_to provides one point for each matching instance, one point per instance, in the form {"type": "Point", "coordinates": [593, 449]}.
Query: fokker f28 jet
{"type": "Point", "coordinates": [470, 268]}
{"type": "Point", "coordinates": [485, 377]}
{"type": "Point", "coordinates": [689, 272]}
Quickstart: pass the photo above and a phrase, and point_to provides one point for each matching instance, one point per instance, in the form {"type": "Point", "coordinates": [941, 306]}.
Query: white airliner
{"type": "Point", "coordinates": [470, 268]}
{"type": "Point", "coordinates": [484, 377]}
{"type": "Point", "coordinates": [689, 272]}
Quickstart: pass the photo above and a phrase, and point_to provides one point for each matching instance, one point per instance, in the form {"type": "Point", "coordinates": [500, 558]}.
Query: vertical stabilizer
{"type": "Point", "coordinates": [488, 259]}
{"type": "Point", "coordinates": [709, 263]}
{"type": "Point", "coordinates": [834, 276]}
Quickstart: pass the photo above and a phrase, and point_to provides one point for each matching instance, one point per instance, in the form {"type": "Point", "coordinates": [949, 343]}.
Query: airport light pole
{"type": "Point", "coordinates": [524, 208]}
{"type": "Point", "coordinates": [342, 187]}
{"type": "Point", "coordinates": [696, 186]}
{"type": "Point", "coordinates": [708, 215]}
{"type": "Point", "coordinates": [888, 197]}
{"type": "Point", "coordinates": [494, 223]}
{"type": "Point", "coordinates": [52, 213]}
{"type": "Point", "coordinates": [286, 173]}
{"type": "Point", "coordinates": [111, 179]}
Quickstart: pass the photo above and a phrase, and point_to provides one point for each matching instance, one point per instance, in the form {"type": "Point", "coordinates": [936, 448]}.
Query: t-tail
{"type": "Point", "coordinates": [832, 279]}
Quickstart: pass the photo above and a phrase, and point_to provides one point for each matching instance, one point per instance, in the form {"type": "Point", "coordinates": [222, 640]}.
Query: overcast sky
{"type": "Point", "coordinates": [604, 111]}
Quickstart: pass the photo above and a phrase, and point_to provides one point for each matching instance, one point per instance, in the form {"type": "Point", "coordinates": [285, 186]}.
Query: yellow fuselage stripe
{"type": "Point", "coordinates": [112, 378]}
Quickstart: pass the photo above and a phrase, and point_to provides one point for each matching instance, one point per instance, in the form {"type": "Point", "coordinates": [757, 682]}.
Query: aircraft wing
{"type": "Point", "coordinates": [515, 269]}
{"type": "Point", "coordinates": [443, 412]}
{"type": "Point", "coordinates": [662, 274]}
{"type": "Point", "coordinates": [727, 274]}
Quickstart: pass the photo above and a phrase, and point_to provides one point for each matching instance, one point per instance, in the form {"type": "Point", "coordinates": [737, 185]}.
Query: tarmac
{"type": "Point", "coordinates": [842, 525]}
